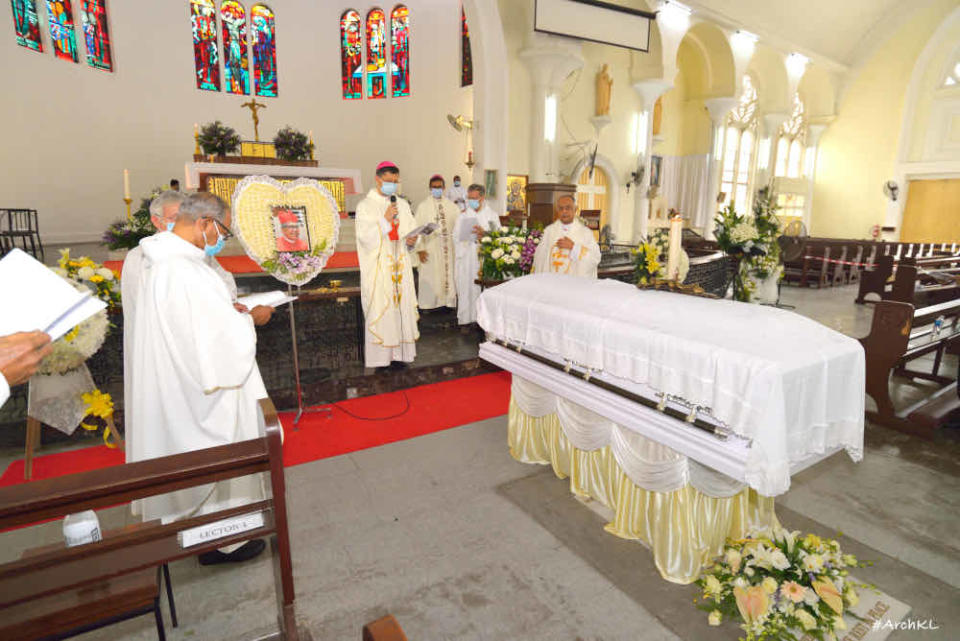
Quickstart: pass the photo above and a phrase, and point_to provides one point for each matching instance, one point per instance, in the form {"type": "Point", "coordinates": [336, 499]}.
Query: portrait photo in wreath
{"type": "Point", "coordinates": [290, 228]}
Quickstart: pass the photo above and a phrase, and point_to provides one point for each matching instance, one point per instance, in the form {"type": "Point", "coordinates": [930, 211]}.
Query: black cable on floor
{"type": "Point", "coordinates": [383, 418]}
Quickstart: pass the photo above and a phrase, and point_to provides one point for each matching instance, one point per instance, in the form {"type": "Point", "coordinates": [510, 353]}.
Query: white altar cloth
{"type": "Point", "coordinates": [790, 385]}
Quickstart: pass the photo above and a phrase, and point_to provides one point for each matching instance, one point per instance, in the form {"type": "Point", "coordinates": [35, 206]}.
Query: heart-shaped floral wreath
{"type": "Point", "coordinates": [289, 229]}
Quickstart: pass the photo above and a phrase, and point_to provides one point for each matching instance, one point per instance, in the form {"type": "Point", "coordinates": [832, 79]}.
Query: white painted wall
{"type": "Point", "coordinates": [70, 130]}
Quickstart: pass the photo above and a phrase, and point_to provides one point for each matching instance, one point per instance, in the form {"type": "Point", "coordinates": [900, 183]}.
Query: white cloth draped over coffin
{"type": "Point", "coordinates": [649, 464]}
{"type": "Point", "coordinates": [791, 386]}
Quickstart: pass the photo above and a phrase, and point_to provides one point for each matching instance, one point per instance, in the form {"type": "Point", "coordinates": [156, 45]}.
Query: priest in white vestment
{"type": "Point", "coordinates": [195, 370]}
{"type": "Point", "coordinates": [385, 253]}
{"type": "Point", "coordinates": [164, 209]}
{"type": "Point", "coordinates": [437, 285]}
{"type": "Point", "coordinates": [458, 194]}
{"type": "Point", "coordinates": [567, 246]}
{"type": "Point", "coordinates": [470, 227]}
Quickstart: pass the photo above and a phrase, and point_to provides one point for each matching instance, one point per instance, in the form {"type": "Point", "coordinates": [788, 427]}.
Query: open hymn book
{"type": "Point", "coordinates": [35, 298]}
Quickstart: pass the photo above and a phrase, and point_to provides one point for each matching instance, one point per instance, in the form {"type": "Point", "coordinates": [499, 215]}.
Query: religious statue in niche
{"type": "Point", "coordinates": [604, 91]}
{"type": "Point", "coordinates": [657, 115]}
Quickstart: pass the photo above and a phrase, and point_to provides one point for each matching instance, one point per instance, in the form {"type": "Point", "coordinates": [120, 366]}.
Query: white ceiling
{"type": "Point", "coordinates": [838, 30]}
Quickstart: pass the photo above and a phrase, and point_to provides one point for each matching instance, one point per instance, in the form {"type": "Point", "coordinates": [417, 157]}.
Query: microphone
{"type": "Point", "coordinates": [393, 201]}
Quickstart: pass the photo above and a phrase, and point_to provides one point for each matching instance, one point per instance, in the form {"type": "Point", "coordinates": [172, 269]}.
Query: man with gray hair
{"type": "Point", "coordinates": [195, 370]}
{"type": "Point", "coordinates": [469, 229]}
{"type": "Point", "coordinates": [164, 209]}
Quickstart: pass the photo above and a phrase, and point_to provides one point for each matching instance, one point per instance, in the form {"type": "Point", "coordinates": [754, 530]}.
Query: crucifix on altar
{"type": "Point", "coordinates": [255, 106]}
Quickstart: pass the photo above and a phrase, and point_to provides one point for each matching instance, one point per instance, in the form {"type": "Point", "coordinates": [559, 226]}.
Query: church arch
{"type": "Point", "coordinates": [613, 186]}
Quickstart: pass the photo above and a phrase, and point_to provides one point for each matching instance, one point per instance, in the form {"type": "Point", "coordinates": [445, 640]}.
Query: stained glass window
{"type": "Point", "coordinates": [400, 50]}
{"type": "Point", "coordinates": [376, 54]}
{"type": "Point", "coordinates": [96, 35]}
{"type": "Point", "coordinates": [236, 69]}
{"type": "Point", "coordinates": [203, 17]}
{"type": "Point", "coordinates": [26, 24]}
{"type": "Point", "coordinates": [351, 55]}
{"type": "Point", "coordinates": [60, 17]}
{"type": "Point", "coordinates": [264, 40]}
{"type": "Point", "coordinates": [466, 59]}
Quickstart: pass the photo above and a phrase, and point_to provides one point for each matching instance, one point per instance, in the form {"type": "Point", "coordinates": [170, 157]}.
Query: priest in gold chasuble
{"type": "Point", "coordinates": [568, 246]}
{"type": "Point", "coordinates": [436, 251]}
{"type": "Point", "coordinates": [386, 253]}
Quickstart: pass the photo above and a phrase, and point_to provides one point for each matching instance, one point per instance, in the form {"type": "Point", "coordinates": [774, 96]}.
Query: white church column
{"type": "Point", "coordinates": [767, 152]}
{"type": "Point", "coordinates": [719, 109]}
{"type": "Point", "coordinates": [814, 131]}
{"type": "Point", "coordinates": [549, 65]}
{"type": "Point", "coordinates": [650, 90]}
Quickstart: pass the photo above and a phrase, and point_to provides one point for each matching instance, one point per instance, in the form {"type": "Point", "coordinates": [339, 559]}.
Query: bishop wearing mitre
{"type": "Point", "coordinates": [470, 228]}
{"type": "Point", "coordinates": [195, 369]}
{"type": "Point", "coordinates": [436, 252]}
{"type": "Point", "coordinates": [387, 293]}
{"type": "Point", "coordinates": [567, 246]}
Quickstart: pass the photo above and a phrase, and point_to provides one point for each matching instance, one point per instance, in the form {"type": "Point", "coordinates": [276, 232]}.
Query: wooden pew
{"type": "Point", "coordinates": [900, 334]}
{"type": "Point", "coordinates": [874, 281]}
{"type": "Point", "coordinates": [34, 591]}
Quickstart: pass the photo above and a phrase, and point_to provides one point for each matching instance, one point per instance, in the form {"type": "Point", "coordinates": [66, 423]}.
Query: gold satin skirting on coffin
{"type": "Point", "coordinates": [684, 528]}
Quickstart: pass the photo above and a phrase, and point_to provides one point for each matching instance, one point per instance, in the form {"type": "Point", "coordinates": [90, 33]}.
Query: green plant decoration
{"type": "Point", "coordinates": [292, 144]}
{"type": "Point", "coordinates": [218, 139]}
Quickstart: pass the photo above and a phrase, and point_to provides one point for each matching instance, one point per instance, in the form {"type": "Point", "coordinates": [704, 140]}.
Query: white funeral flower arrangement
{"type": "Point", "coordinates": [502, 253]}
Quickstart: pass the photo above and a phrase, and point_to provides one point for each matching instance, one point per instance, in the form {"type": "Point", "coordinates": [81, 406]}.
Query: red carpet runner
{"type": "Point", "coordinates": [434, 407]}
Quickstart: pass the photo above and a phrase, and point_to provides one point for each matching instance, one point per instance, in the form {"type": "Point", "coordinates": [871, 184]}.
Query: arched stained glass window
{"type": "Point", "coordinates": [351, 55]}
{"type": "Point", "coordinates": [400, 50]}
{"type": "Point", "coordinates": [376, 54]}
{"type": "Point", "coordinates": [790, 145]}
{"type": "Point", "coordinates": [263, 25]}
{"type": "Point", "coordinates": [26, 24]}
{"type": "Point", "coordinates": [96, 34]}
{"type": "Point", "coordinates": [203, 21]}
{"type": "Point", "coordinates": [736, 169]}
{"type": "Point", "coordinates": [60, 17]}
{"type": "Point", "coordinates": [466, 57]}
{"type": "Point", "coordinates": [236, 68]}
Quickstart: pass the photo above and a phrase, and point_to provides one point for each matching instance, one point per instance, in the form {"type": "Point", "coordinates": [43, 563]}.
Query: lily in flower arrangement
{"type": "Point", "coordinates": [780, 586]}
{"type": "Point", "coordinates": [650, 259]}
{"type": "Point", "coordinates": [297, 265]}
{"type": "Point", "coordinates": [501, 252]}
{"type": "Point", "coordinates": [752, 240]}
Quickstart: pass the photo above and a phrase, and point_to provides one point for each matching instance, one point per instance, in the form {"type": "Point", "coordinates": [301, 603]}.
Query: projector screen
{"type": "Point", "coordinates": [595, 21]}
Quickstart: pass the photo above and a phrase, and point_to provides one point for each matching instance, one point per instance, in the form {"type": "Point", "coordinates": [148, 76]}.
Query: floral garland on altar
{"type": "Point", "coordinates": [780, 585]}
{"type": "Point", "coordinates": [752, 241]}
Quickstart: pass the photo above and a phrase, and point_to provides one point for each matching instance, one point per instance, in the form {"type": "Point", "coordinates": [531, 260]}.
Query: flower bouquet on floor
{"type": "Point", "coordinates": [500, 253]}
{"type": "Point", "coordinates": [781, 586]}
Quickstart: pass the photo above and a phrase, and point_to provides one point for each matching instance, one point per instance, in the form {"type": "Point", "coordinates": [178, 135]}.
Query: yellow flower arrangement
{"type": "Point", "coordinates": [99, 414]}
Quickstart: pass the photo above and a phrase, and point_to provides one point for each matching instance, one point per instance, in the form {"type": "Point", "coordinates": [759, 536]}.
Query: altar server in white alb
{"type": "Point", "coordinates": [164, 209]}
{"type": "Point", "coordinates": [458, 194]}
{"type": "Point", "coordinates": [568, 246]}
{"type": "Point", "coordinates": [195, 370]}
{"type": "Point", "coordinates": [436, 251]}
{"type": "Point", "coordinates": [385, 252]}
{"type": "Point", "coordinates": [470, 228]}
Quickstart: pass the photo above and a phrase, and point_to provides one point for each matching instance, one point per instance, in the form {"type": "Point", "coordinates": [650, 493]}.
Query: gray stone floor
{"type": "Point", "coordinates": [460, 542]}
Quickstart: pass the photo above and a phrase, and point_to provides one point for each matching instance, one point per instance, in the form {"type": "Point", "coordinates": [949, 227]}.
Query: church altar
{"type": "Point", "coordinates": [221, 178]}
{"type": "Point", "coordinates": [683, 415]}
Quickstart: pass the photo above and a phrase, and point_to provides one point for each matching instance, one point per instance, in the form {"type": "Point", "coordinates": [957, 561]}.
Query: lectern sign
{"type": "Point", "coordinates": [289, 229]}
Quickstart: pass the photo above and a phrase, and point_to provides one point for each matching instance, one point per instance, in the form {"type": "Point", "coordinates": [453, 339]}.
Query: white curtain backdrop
{"type": "Point", "coordinates": [683, 185]}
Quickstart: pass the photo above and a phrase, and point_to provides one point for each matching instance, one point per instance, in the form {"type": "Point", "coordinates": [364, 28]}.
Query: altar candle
{"type": "Point", "coordinates": [196, 129]}
{"type": "Point", "coordinates": [673, 253]}
{"type": "Point", "coordinates": [126, 184]}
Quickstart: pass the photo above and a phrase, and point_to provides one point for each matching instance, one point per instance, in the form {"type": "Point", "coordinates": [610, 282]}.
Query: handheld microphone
{"type": "Point", "coordinates": [393, 201]}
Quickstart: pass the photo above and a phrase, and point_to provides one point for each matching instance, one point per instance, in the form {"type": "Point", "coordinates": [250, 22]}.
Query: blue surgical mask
{"type": "Point", "coordinates": [473, 204]}
{"type": "Point", "coordinates": [437, 192]}
{"type": "Point", "coordinates": [456, 183]}
{"type": "Point", "coordinates": [388, 189]}
{"type": "Point", "coordinates": [213, 250]}
{"type": "Point", "coordinates": [170, 226]}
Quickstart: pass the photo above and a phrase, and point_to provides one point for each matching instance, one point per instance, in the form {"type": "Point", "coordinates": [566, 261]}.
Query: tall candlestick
{"type": "Point", "coordinates": [673, 253]}
{"type": "Point", "coordinates": [126, 183]}
{"type": "Point", "coordinates": [196, 138]}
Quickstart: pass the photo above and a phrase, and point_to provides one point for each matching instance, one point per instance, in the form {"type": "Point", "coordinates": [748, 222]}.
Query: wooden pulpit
{"type": "Point", "coordinates": [541, 198]}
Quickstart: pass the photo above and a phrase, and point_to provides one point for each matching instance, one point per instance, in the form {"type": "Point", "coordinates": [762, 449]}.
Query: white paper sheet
{"type": "Point", "coordinates": [467, 223]}
{"type": "Point", "coordinates": [35, 298]}
{"type": "Point", "coordinates": [270, 299]}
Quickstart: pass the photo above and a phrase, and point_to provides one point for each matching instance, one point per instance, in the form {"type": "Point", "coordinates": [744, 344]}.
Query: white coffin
{"type": "Point", "coordinates": [786, 389]}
